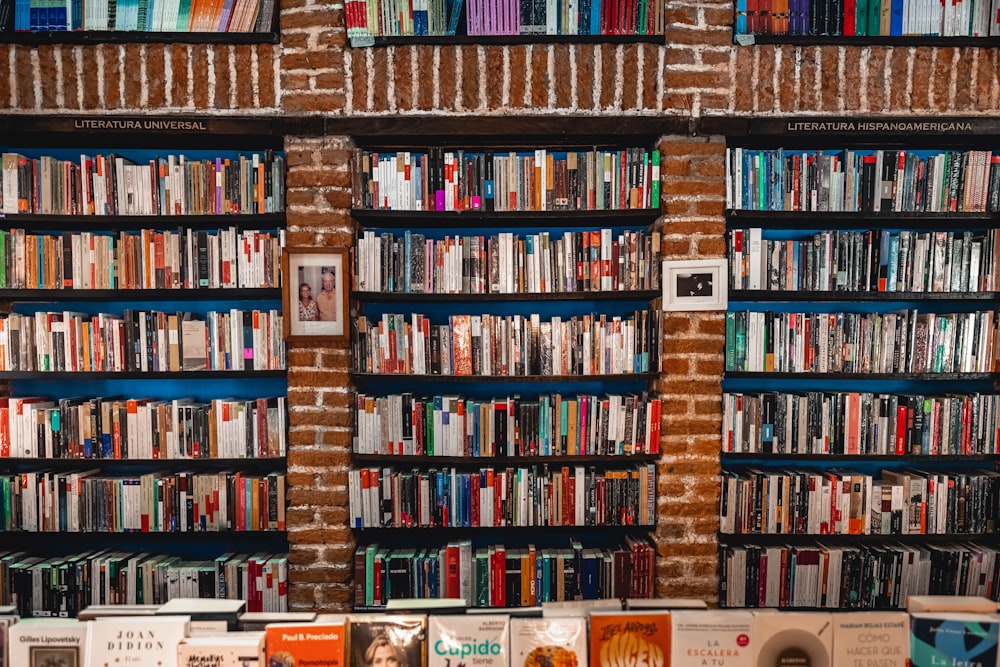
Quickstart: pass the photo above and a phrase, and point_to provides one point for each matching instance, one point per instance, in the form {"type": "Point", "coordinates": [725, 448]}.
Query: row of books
{"type": "Point", "coordinates": [142, 428]}
{"type": "Point", "coordinates": [522, 496]}
{"type": "Point", "coordinates": [860, 423]}
{"type": "Point", "coordinates": [507, 263]}
{"type": "Point", "coordinates": [842, 502]}
{"type": "Point", "coordinates": [144, 15]}
{"type": "Point", "coordinates": [543, 180]}
{"type": "Point", "coordinates": [832, 577]}
{"type": "Point", "coordinates": [116, 185]}
{"type": "Point", "coordinates": [150, 259]}
{"type": "Point", "coordinates": [507, 345]}
{"type": "Point", "coordinates": [550, 425]}
{"type": "Point", "coordinates": [871, 261]}
{"type": "Point", "coordinates": [597, 633]}
{"type": "Point", "coordinates": [160, 502]}
{"type": "Point", "coordinates": [868, 18]}
{"type": "Point", "coordinates": [141, 341]}
{"type": "Point", "coordinates": [64, 586]}
{"type": "Point", "coordinates": [897, 342]}
{"type": "Point", "coordinates": [864, 181]}
{"type": "Point", "coordinates": [379, 18]}
{"type": "Point", "coordinates": [504, 576]}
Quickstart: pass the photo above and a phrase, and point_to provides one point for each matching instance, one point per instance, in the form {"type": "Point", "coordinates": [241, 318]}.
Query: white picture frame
{"type": "Point", "coordinates": [695, 284]}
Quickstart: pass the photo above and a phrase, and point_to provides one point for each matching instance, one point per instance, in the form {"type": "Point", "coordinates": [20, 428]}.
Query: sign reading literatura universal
{"type": "Point", "coordinates": [140, 124]}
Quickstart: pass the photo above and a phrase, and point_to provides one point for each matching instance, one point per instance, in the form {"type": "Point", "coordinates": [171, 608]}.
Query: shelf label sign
{"type": "Point", "coordinates": [140, 124]}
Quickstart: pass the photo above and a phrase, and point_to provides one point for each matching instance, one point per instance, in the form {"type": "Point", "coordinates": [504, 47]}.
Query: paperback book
{"type": "Point", "coordinates": [548, 642]}
{"type": "Point", "coordinates": [712, 638]}
{"type": "Point", "coordinates": [378, 640]}
{"type": "Point", "coordinates": [630, 639]}
{"type": "Point", "coordinates": [455, 640]}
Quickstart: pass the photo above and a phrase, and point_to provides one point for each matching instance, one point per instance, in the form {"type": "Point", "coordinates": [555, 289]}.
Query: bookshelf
{"type": "Point", "coordinates": [444, 488]}
{"type": "Point", "coordinates": [860, 453]}
{"type": "Point", "coordinates": [143, 21]}
{"type": "Point", "coordinates": [120, 449]}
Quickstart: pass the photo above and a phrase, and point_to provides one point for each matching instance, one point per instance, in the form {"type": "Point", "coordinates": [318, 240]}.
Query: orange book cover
{"type": "Point", "coordinates": [320, 644]}
{"type": "Point", "coordinates": [629, 638]}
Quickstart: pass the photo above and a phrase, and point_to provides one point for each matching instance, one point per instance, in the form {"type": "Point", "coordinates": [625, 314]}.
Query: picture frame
{"type": "Point", "coordinates": [695, 284]}
{"type": "Point", "coordinates": [323, 317]}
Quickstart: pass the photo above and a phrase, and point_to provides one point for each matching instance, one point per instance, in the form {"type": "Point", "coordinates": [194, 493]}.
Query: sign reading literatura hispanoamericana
{"type": "Point", "coordinates": [910, 126]}
{"type": "Point", "coordinates": [139, 124]}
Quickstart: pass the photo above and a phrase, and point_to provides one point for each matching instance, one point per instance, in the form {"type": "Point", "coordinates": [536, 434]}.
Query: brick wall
{"type": "Point", "coordinates": [311, 71]}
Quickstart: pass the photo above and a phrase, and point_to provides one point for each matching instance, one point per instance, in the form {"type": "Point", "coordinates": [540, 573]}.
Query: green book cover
{"type": "Point", "coordinates": [3, 264]}
{"type": "Point", "coordinates": [183, 16]}
{"type": "Point", "coordinates": [861, 18]}
{"type": "Point", "coordinates": [654, 193]}
{"type": "Point", "coordinates": [730, 341]}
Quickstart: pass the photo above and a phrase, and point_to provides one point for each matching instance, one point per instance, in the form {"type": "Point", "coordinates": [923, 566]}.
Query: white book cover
{"type": "Point", "coordinates": [548, 642]}
{"type": "Point", "coordinates": [481, 641]}
{"type": "Point", "coordinates": [40, 642]}
{"type": "Point", "coordinates": [871, 638]}
{"type": "Point", "coordinates": [714, 638]}
{"type": "Point", "coordinates": [793, 638]}
{"type": "Point", "coordinates": [233, 649]}
{"type": "Point", "coordinates": [146, 641]}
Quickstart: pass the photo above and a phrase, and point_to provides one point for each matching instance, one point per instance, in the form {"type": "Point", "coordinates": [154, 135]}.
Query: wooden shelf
{"type": "Point", "coordinates": [451, 532]}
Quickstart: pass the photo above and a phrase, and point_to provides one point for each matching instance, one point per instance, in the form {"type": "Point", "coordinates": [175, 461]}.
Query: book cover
{"type": "Point", "coordinates": [950, 603]}
{"type": "Point", "coordinates": [136, 642]}
{"type": "Point", "coordinates": [479, 641]}
{"type": "Point", "coordinates": [953, 639]}
{"type": "Point", "coordinates": [40, 642]}
{"type": "Point", "coordinates": [386, 641]}
{"type": "Point", "coordinates": [5, 623]}
{"type": "Point", "coordinates": [319, 643]}
{"type": "Point", "coordinates": [233, 649]}
{"type": "Point", "coordinates": [548, 642]}
{"type": "Point", "coordinates": [871, 637]}
{"type": "Point", "coordinates": [716, 638]}
{"type": "Point", "coordinates": [630, 639]}
{"type": "Point", "coordinates": [788, 639]}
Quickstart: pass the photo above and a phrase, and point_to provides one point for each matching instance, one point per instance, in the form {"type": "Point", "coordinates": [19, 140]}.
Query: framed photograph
{"type": "Point", "coordinates": [44, 656]}
{"type": "Point", "coordinates": [316, 294]}
{"type": "Point", "coordinates": [694, 284]}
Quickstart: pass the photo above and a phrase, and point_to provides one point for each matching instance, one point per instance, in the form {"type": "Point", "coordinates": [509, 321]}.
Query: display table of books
{"type": "Point", "coordinates": [936, 630]}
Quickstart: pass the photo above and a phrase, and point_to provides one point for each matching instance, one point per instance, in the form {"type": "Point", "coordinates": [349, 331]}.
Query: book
{"type": "Point", "coordinates": [639, 604]}
{"type": "Point", "coordinates": [41, 642]}
{"type": "Point", "coordinates": [548, 642]}
{"type": "Point", "coordinates": [938, 638]}
{"type": "Point", "coordinates": [95, 611]}
{"type": "Point", "coordinates": [480, 640]}
{"type": "Point", "coordinates": [135, 641]}
{"type": "Point", "coordinates": [950, 603]}
{"type": "Point", "coordinates": [205, 609]}
{"type": "Point", "coordinates": [378, 641]}
{"type": "Point", "coordinates": [793, 638]}
{"type": "Point", "coordinates": [630, 638]}
{"type": "Point", "coordinates": [717, 638]}
{"type": "Point", "coordinates": [231, 649]}
{"type": "Point", "coordinates": [258, 620]}
{"type": "Point", "coordinates": [6, 620]}
{"type": "Point", "coordinates": [320, 643]}
{"type": "Point", "coordinates": [872, 637]}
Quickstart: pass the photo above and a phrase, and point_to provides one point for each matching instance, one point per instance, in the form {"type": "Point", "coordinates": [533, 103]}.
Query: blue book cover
{"type": "Point", "coordinates": [741, 17]}
{"type": "Point", "coordinates": [893, 263]}
{"type": "Point", "coordinates": [896, 25]}
{"type": "Point", "coordinates": [953, 639]}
